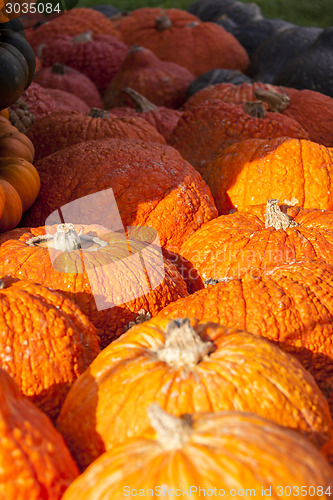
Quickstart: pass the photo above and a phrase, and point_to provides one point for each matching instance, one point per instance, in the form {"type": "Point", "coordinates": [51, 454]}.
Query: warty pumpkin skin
{"type": "Point", "coordinates": [261, 236]}
{"type": "Point", "coordinates": [183, 39]}
{"type": "Point", "coordinates": [204, 453]}
{"type": "Point", "coordinates": [312, 110]}
{"type": "Point", "coordinates": [163, 83]}
{"type": "Point", "coordinates": [45, 343]}
{"type": "Point", "coordinates": [254, 170]}
{"type": "Point", "coordinates": [101, 279]}
{"type": "Point", "coordinates": [35, 462]}
{"type": "Point", "coordinates": [290, 304]}
{"type": "Point", "coordinates": [98, 56]}
{"type": "Point", "coordinates": [61, 129]}
{"type": "Point", "coordinates": [60, 76]}
{"type": "Point", "coordinates": [152, 184]}
{"type": "Point", "coordinates": [214, 125]}
{"type": "Point", "coordinates": [72, 23]}
{"type": "Point", "coordinates": [189, 366]}
{"type": "Point", "coordinates": [66, 101]}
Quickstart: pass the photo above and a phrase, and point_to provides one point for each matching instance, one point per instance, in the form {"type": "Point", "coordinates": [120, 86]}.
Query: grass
{"type": "Point", "coordinates": [302, 12]}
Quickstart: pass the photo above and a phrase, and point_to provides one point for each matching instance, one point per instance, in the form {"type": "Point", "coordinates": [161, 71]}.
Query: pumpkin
{"type": "Point", "coordinates": [278, 50]}
{"type": "Point", "coordinates": [181, 38]}
{"type": "Point", "coordinates": [163, 119]}
{"type": "Point", "coordinates": [92, 266]}
{"type": "Point", "coordinates": [261, 236]}
{"type": "Point", "coordinates": [312, 68]}
{"type": "Point", "coordinates": [175, 196]}
{"type": "Point", "coordinates": [214, 10]}
{"type": "Point", "coordinates": [60, 76]}
{"type": "Point", "coordinates": [5, 113]}
{"type": "Point", "coordinates": [35, 460]}
{"type": "Point", "coordinates": [290, 304]}
{"type": "Point", "coordinates": [72, 23]}
{"type": "Point", "coordinates": [17, 66]}
{"type": "Point", "coordinates": [200, 454]}
{"type": "Point", "coordinates": [274, 167]}
{"type": "Point", "coordinates": [61, 129]}
{"type": "Point", "coordinates": [65, 101]}
{"type": "Point", "coordinates": [313, 110]}
{"type": "Point", "coordinates": [215, 125]}
{"type": "Point", "coordinates": [163, 83]}
{"type": "Point", "coordinates": [97, 56]}
{"type": "Point", "coordinates": [33, 103]}
{"type": "Point", "coordinates": [14, 143]}
{"type": "Point", "coordinates": [189, 366]}
{"type": "Point", "coordinates": [216, 76]}
{"type": "Point", "coordinates": [48, 345]}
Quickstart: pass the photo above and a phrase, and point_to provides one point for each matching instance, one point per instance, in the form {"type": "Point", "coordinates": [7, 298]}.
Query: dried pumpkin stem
{"type": "Point", "coordinates": [58, 68]}
{"type": "Point", "coordinates": [276, 218]}
{"type": "Point", "coordinates": [276, 102]}
{"type": "Point", "coordinates": [163, 22]}
{"type": "Point", "coordinates": [172, 432]}
{"type": "Point", "coordinates": [99, 113]}
{"type": "Point", "coordinates": [183, 346]}
{"type": "Point", "coordinates": [66, 239]}
{"type": "Point", "coordinates": [256, 109]}
{"type": "Point", "coordinates": [142, 104]}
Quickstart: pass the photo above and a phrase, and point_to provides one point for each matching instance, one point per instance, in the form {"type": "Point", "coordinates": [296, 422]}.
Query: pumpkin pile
{"type": "Point", "coordinates": [166, 255]}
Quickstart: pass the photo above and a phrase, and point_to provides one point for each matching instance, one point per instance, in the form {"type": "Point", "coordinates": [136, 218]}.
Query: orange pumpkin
{"type": "Point", "coordinates": [290, 304]}
{"type": "Point", "coordinates": [35, 462]}
{"type": "Point", "coordinates": [14, 143]}
{"type": "Point", "coordinates": [261, 236]}
{"type": "Point", "coordinates": [23, 176]}
{"type": "Point", "coordinates": [5, 113]}
{"type": "Point", "coordinates": [97, 268]}
{"type": "Point", "coordinates": [255, 170]}
{"type": "Point", "coordinates": [199, 454]}
{"type": "Point", "coordinates": [48, 344]}
{"type": "Point", "coordinates": [186, 366]}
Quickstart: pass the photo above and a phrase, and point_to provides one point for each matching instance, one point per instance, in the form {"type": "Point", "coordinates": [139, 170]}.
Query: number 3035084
{"type": "Point", "coordinates": [26, 8]}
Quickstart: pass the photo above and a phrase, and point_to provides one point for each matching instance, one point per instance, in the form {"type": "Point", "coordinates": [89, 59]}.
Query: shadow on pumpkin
{"type": "Point", "coordinates": [73, 429]}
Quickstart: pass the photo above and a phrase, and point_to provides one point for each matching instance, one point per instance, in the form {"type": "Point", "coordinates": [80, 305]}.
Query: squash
{"type": "Point", "coordinates": [207, 454]}
{"type": "Point", "coordinates": [48, 344]}
{"type": "Point", "coordinates": [35, 461]}
{"type": "Point", "coordinates": [186, 366]}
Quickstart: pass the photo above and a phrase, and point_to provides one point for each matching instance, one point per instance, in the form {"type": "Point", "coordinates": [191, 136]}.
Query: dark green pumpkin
{"type": "Point", "coordinates": [16, 40]}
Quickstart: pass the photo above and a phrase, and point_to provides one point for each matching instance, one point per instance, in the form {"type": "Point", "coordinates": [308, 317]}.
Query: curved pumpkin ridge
{"type": "Point", "coordinates": [254, 170]}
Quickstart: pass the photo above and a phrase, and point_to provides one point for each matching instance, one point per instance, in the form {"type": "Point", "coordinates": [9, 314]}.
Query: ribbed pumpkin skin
{"type": "Point", "coordinates": [98, 58]}
{"type": "Point", "coordinates": [231, 245]}
{"type": "Point", "coordinates": [61, 129]}
{"type": "Point", "coordinates": [67, 102]}
{"type": "Point", "coordinates": [72, 23]}
{"type": "Point", "coordinates": [291, 305]}
{"type": "Point", "coordinates": [72, 81]}
{"type": "Point", "coordinates": [313, 110]}
{"type": "Point", "coordinates": [230, 451]}
{"type": "Point", "coordinates": [66, 273]}
{"type": "Point", "coordinates": [36, 463]}
{"type": "Point", "coordinates": [282, 168]}
{"type": "Point", "coordinates": [163, 83]}
{"type": "Point", "coordinates": [49, 344]}
{"type": "Point", "coordinates": [246, 372]}
{"type": "Point", "coordinates": [214, 125]}
{"type": "Point", "coordinates": [163, 119]}
{"type": "Point", "coordinates": [199, 47]}
{"type": "Point", "coordinates": [153, 186]}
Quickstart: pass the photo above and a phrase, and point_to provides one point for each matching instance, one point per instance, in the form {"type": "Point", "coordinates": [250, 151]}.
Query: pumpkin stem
{"type": "Point", "coordinates": [142, 104]}
{"type": "Point", "coordinates": [256, 109]}
{"type": "Point", "coordinates": [172, 432]}
{"type": "Point", "coordinates": [276, 218]}
{"type": "Point", "coordinates": [59, 68]}
{"type": "Point", "coordinates": [99, 113]}
{"type": "Point", "coordinates": [183, 345]}
{"type": "Point", "coordinates": [20, 116]}
{"type": "Point", "coordinates": [66, 238]}
{"type": "Point", "coordinates": [163, 22]}
{"type": "Point", "coordinates": [135, 48]}
{"type": "Point", "coordinates": [2, 285]}
{"type": "Point", "coordinates": [83, 37]}
{"type": "Point", "coordinates": [276, 102]}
